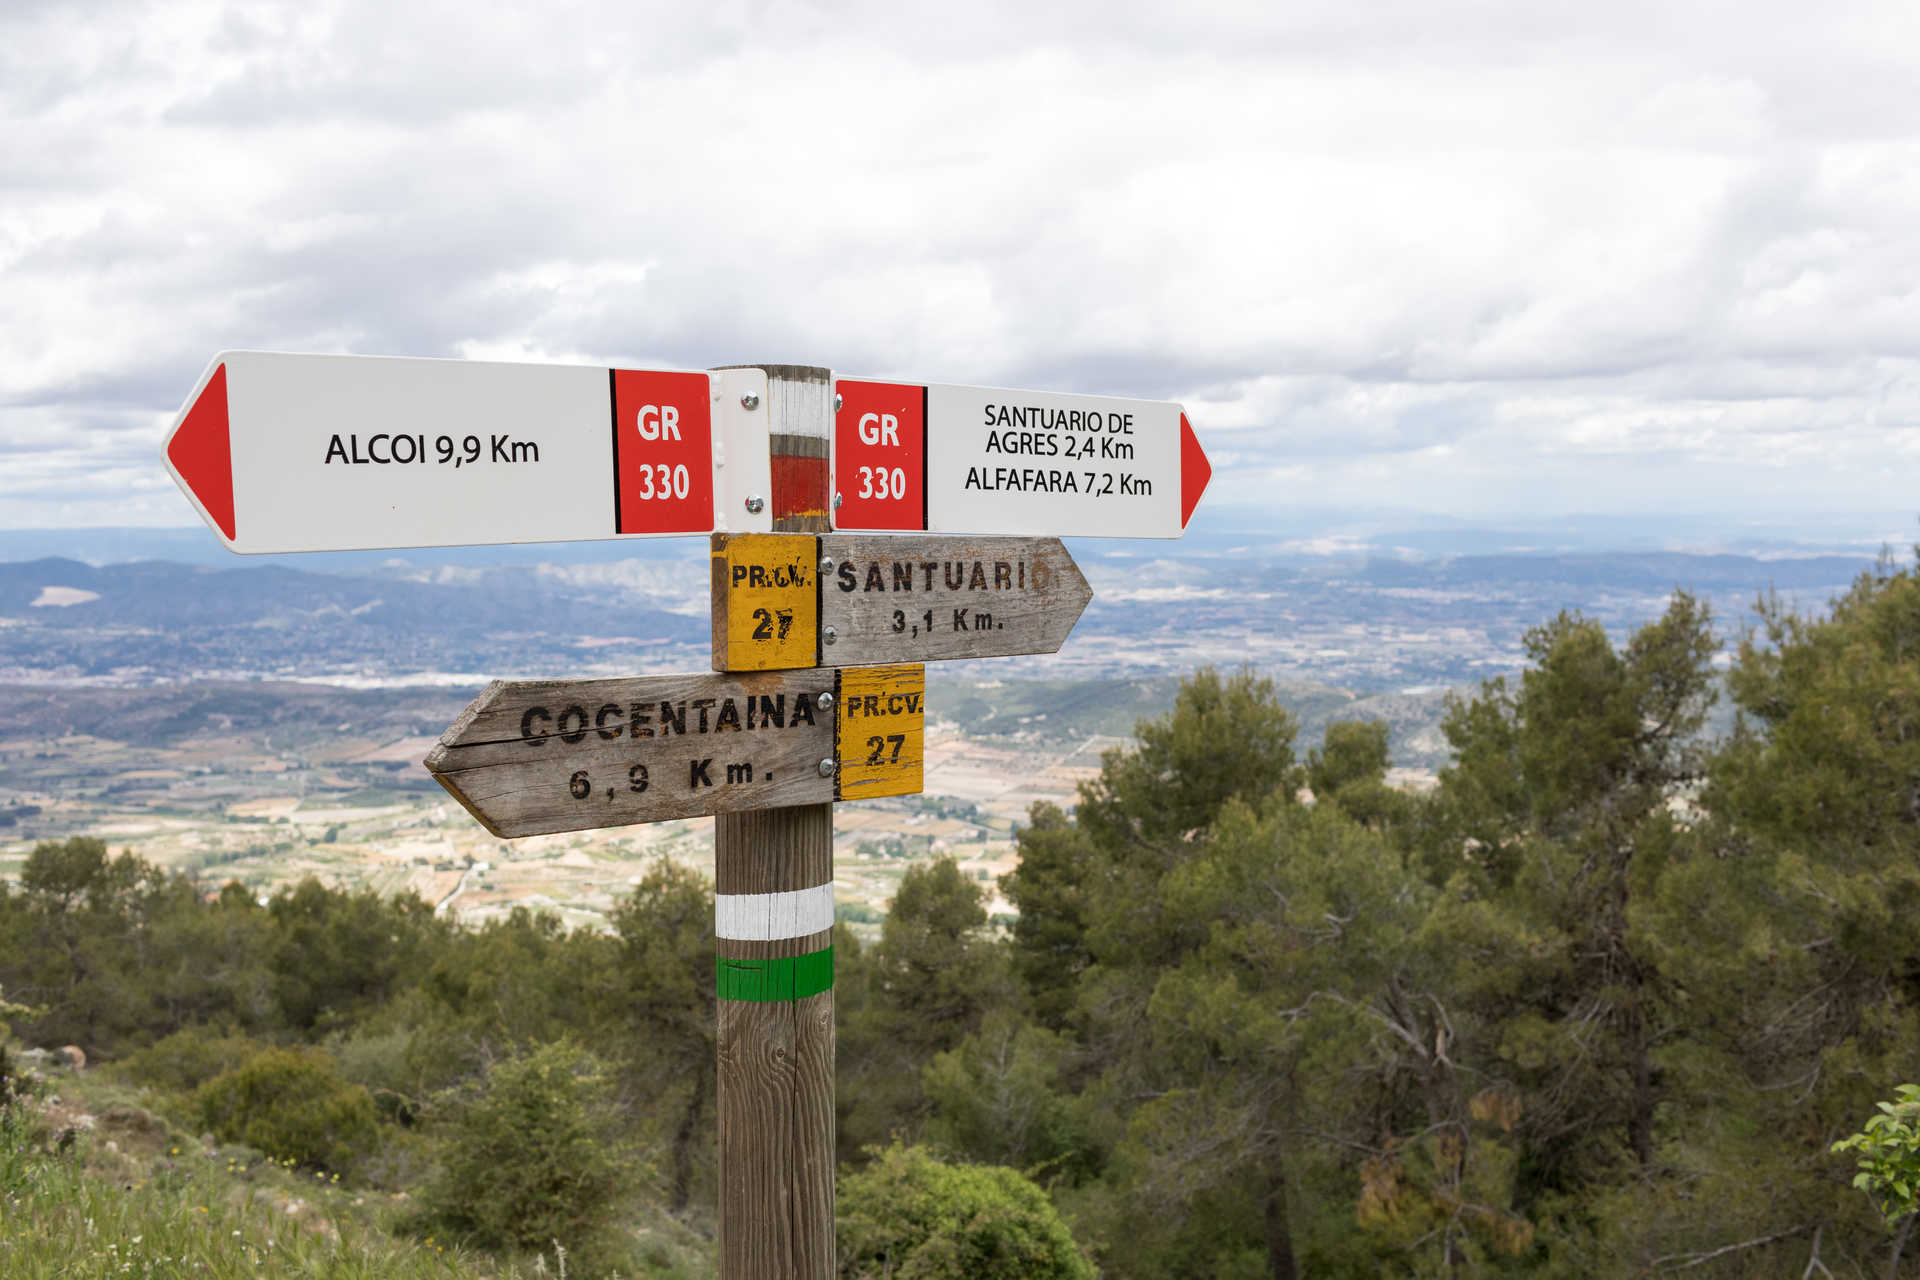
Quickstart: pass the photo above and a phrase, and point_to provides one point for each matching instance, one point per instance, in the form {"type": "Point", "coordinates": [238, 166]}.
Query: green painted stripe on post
{"type": "Point", "coordinates": [788, 978]}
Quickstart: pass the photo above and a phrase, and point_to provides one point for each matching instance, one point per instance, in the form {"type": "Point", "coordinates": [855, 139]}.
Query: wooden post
{"type": "Point", "coordinates": [773, 885]}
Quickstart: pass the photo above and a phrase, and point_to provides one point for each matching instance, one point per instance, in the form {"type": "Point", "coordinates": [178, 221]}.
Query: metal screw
{"type": "Point", "coordinates": [829, 634]}
{"type": "Point", "coordinates": [755, 503]}
{"type": "Point", "coordinates": [826, 768]}
{"type": "Point", "coordinates": [751, 400]}
{"type": "Point", "coordinates": [826, 565]}
{"type": "Point", "coordinates": [836, 502]}
{"type": "Point", "coordinates": [837, 402]}
{"type": "Point", "coordinates": [824, 701]}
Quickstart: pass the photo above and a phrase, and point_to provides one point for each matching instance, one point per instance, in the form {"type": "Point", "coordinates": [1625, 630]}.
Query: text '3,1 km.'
{"type": "Point", "coordinates": [286, 452]}
{"type": "Point", "coordinates": [534, 757]}
{"type": "Point", "coordinates": [948, 459]}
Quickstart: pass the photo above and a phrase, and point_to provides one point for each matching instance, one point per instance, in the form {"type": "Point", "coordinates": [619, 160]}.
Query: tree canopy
{"type": "Point", "coordinates": [1599, 1002]}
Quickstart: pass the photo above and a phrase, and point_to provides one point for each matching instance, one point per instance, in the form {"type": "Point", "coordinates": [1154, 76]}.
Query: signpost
{"type": "Point", "coordinates": [947, 459]}
{"type": "Point", "coordinates": [535, 757]}
{"type": "Point", "coordinates": [774, 1036]}
{"type": "Point", "coordinates": [342, 453]}
{"type": "Point", "coordinates": [852, 599]}
{"type": "Point", "coordinates": [817, 693]}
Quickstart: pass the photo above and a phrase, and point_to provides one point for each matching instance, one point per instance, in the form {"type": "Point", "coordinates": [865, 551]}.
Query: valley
{"type": "Point", "coordinates": [261, 722]}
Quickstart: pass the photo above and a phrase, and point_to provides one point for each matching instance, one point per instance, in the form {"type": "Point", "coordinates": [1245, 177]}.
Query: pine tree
{"type": "Point", "coordinates": [918, 992]}
{"type": "Point", "coordinates": [1560, 811]}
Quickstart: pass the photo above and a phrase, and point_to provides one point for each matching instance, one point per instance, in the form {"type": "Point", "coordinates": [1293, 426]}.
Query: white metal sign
{"type": "Point", "coordinates": [334, 453]}
{"type": "Point", "coordinates": [984, 460]}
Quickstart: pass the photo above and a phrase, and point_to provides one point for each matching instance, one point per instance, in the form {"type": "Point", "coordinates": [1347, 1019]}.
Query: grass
{"type": "Point", "coordinates": [61, 1216]}
{"type": "Point", "coordinates": [131, 1196]}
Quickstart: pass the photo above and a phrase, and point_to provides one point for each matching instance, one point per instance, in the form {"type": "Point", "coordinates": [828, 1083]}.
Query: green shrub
{"type": "Point", "coordinates": [1889, 1150]}
{"type": "Point", "coordinates": [525, 1164]}
{"type": "Point", "coordinates": [7, 1085]}
{"type": "Point", "coordinates": [383, 1060]}
{"type": "Point", "coordinates": [188, 1059]}
{"type": "Point", "coordinates": [907, 1216]}
{"type": "Point", "coordinates": [293, 1105]}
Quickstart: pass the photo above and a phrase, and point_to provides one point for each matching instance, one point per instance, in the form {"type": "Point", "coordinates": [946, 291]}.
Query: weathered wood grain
{"type": "Point", "coordinates": [813, 1116]}
{"type": "Point", "coordinates": [775, 1088]}
{"type": "Point", "coordinates": [773, 859]}
{"type": "Point", "coordinates": [776, 1139]}
{"type": "Point", "coordinates": [539, 756]}
{"type": "Point", "coordinates": [776, 854]}
{"type": "Point", "coordinates": [922, 599]}
{"type": "Point", "coordinates": [535, 757]}
{"type": "Point", "coordinates": [889, 598]}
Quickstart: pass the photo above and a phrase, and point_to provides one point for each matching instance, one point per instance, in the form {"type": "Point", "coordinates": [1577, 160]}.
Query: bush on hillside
{"type": "Point", "coordinates": [293, 1105]}
{"type": "Point", "coordinates": [8, 1086]}
{"type": "Point", "coordinates": [189, 1058]}
{"type": "Point", "coordinates": [907, 1216]}
{"type": "Point", "coordinates": [525, 1164]}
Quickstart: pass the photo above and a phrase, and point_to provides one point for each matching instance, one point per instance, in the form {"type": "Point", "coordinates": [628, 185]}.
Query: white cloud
{"type": "Point", "coordinates": [1475, 257]}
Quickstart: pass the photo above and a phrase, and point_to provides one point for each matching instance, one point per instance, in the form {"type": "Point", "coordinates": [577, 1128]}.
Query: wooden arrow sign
{"type": "Point", "coordinates": [534, 757]}
{"type": "Point", "coordinates": [795, 600]}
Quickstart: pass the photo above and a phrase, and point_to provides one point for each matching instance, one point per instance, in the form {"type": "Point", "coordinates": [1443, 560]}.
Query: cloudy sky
{"type": "Point", "coordinates": [1483, 259]}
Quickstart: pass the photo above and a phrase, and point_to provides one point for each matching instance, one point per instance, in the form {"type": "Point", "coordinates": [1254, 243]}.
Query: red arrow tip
{"type": "Point", "coordinates": [203, 456]}
{"type": "Point", "coordinates": [1195, 471]}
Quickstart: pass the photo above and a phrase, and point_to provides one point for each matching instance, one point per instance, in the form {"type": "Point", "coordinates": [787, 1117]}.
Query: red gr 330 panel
{"type": "Point", "coordinates": [663, 452]}
{"type": "Point", "coordinates": [879, 456]}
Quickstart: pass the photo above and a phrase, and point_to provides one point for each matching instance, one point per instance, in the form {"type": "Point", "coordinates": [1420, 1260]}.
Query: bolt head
{"type": "Point", "coordinates": [838, 403]}
{"type": "Point", "coordinates": [829, 634]}
{"type": "Point", "coordinates": [826, 768]}
{"type": "Point", "coordinates": [837, 500]}
{"type": "Point", "coordinates": [824, 701]}
{"type": "Point", "coordinates": [751, 400]}
{"type": "Point", "coordinates": [826, 565]}
{"type": "Point", "coordinates": [755, 503]}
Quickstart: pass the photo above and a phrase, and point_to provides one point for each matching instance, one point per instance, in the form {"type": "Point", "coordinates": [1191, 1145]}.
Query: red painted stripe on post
{"type": "Point", "coordinates": [799, 486]}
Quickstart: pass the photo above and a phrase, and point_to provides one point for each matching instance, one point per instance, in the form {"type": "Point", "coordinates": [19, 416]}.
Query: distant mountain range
{"type": "Point", "coordinates": [1355, 618]}
{"type": "Point", "coordinates": [1280, 530]}
{"type": "Point", "coordinates": [147, 620]}
{"type": "Point", "coordinates": [162, 594]}
{"type": "Point", "coordinates": [1637, 570]}
{"type": "Point", "coordinates": [1349, 629]}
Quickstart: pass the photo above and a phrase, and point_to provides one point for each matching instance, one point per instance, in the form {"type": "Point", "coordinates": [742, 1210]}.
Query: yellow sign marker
{"type": "Point", "coordinates": [766, 601]}
{"type": "Point", "coordinates": [879, 731]}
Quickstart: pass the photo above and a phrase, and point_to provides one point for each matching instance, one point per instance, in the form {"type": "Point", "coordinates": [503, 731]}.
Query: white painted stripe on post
{"type": "Point", "coordinates": [766, 917]}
